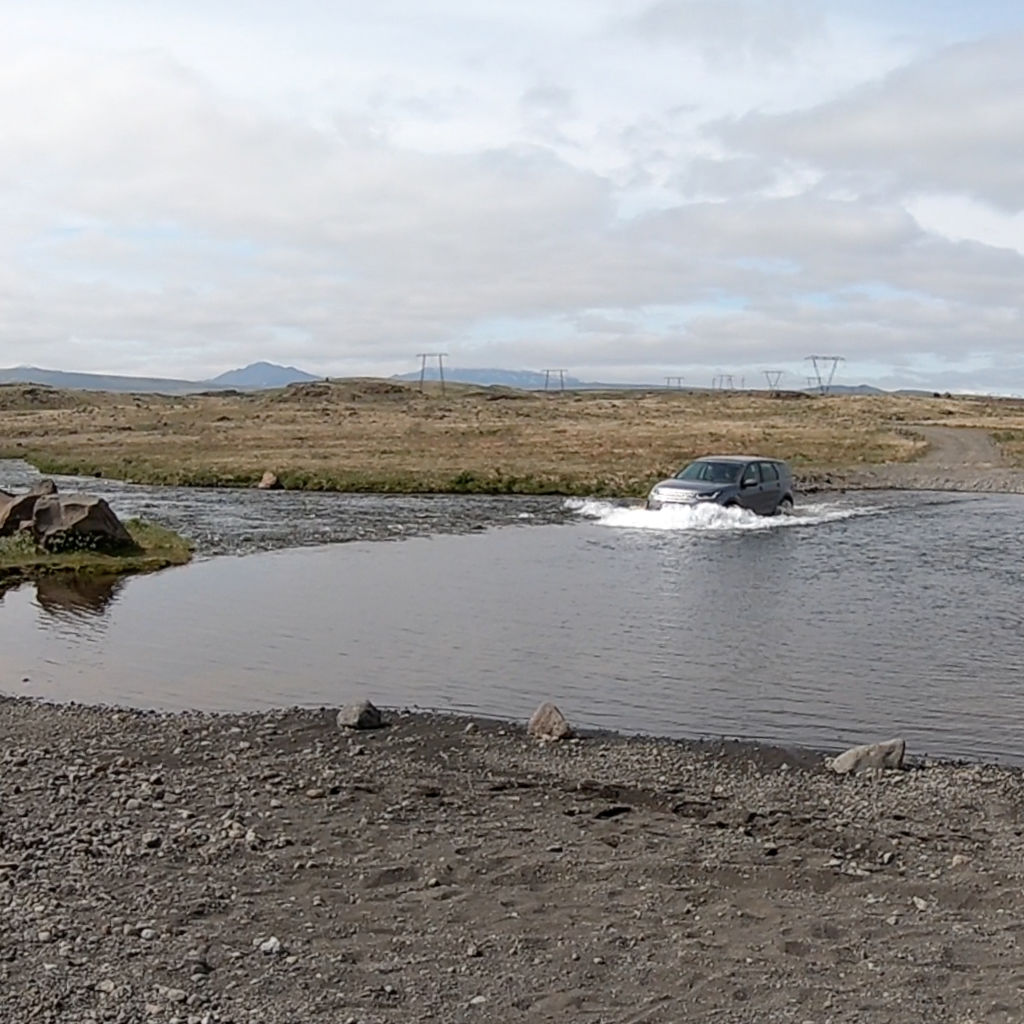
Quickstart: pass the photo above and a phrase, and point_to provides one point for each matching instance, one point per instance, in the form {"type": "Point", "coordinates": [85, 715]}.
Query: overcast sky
{"type": "Point", "coordinates": [627, 189]}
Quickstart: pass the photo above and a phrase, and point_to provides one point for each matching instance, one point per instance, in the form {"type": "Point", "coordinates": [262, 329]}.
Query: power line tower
{"type": "Point", "coordinates": [772, 378]}
{"type": "Point", "coordinates": [722, 382]}
{"type": "Point", "coordinates": [674, 382]}
{"type": "Point", "coordinates": [824, 368]}
{"type": "Point", "coordinates": [561, 378]}
{"type": "Point", "coordinates": [440, 357]}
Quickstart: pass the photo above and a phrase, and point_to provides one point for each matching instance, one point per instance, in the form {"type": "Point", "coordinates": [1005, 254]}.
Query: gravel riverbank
{"type": "Point", "coordinates": [956, 459]}
{"type": "Point", "coordinates": [273, 868]}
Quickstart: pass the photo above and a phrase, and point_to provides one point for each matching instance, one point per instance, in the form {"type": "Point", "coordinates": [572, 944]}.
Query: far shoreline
{"type": "Point", "coordinates": [379, 437]}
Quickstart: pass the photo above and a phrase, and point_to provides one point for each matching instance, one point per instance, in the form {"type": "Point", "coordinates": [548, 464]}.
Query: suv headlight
{"type": "Point", "coordinates": [709, 496]}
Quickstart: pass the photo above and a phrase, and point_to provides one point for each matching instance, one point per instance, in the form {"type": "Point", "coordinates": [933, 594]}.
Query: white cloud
{"type": "Point", "coordinates": [594, 185]}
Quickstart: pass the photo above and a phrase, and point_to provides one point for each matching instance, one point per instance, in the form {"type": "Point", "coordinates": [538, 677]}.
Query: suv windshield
{"type": "Point", "coordinates": [710, 472]}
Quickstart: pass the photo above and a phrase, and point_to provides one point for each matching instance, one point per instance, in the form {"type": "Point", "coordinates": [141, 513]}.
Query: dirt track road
{"type": "Point", "coordinates": [957, 459]}
{"type": "Point", "coordinates": [959, 448]}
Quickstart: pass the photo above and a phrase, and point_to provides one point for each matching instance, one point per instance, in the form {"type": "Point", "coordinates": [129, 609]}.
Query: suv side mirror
{"type": "Point", "coordinates": [748, 482]}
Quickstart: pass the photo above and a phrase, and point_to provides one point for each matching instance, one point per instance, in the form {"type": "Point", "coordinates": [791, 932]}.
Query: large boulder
{"type": "Point", "coordinates": [16, 513]}
{"type": "Point", "coordinates": [73, 521]}
{"type": "Point", "coordinates": [548, 723]}
{"type": "Point", "coordinates": [871, 755]}
{"type": "Point", "coordinates": [270, 482]}
{"type": "Point", "coordinates": [42, 486]}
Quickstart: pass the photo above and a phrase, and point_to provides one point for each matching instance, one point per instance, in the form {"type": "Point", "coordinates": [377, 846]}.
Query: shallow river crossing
{"type": "Point", "coordinates": [864, 615]}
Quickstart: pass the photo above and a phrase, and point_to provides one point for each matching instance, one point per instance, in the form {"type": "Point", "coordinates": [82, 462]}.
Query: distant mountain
{"type": "Point", "coordinates": [261, 375]}
{"type": "Point", "coordinates": [253, 378]}
{"type": "Point", "coordinates": [525, 379]}
{"type": "Point", "coordinates": [94, 381]}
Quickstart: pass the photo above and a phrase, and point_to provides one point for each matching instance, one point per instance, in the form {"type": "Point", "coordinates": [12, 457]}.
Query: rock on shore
{"type": "Point", "coordinates": [273, 868]}
{"type": "Point", "coordinates": [548, 723]}
{"type": "Point", "coordinates": [874, 756]}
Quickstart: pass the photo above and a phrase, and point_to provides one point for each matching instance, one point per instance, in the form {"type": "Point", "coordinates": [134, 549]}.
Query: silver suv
{"type": "Point", "coordinates": [762, 485]}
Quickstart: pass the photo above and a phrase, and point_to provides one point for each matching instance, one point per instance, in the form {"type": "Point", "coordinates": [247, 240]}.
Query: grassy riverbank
{"type": "Point", "coordinates": [155, 548]}
{"type": "Point", "coordinates": [386, 436]}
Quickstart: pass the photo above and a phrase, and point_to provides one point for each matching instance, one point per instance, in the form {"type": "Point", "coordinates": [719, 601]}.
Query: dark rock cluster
{"type": "Point", "coordinates": [62, 522]}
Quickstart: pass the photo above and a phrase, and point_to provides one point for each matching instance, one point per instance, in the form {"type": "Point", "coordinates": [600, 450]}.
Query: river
{"type": "Point", "coordinates": [862, 616]}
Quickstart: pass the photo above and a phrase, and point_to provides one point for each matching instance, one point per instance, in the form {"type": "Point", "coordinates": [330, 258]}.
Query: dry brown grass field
{"type": "Point", "coordinates": [377, 435]}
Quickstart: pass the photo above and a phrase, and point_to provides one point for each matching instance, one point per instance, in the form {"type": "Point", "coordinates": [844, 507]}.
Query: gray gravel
{"type": "Point", "coordinates": [956, 459]}
{"type": "Point", "coordinates": [275, 868]}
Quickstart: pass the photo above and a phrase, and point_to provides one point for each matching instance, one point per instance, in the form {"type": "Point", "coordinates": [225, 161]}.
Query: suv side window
{"type": "Point", "coordinates": [769, 472]}
{"type": "Point", "coordinates": [751, 475]}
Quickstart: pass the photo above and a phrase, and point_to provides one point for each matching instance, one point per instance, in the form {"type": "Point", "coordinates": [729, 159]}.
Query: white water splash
{"type": "Point", "coordinates": [706, 516]}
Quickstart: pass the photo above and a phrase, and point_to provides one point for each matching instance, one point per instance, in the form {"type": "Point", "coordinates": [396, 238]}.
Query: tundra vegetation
{"type": "Point", "coordinates": [388, 436]}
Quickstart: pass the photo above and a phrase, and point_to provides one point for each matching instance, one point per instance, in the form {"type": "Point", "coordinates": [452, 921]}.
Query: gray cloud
{"type": "Point", "coordinates": [950, 122]}
{"type": "Point", "coordinates": [563, 208]}
{"type": "Point", "coordinates": [728, 178]}
{"type": "Point", "coordinates": [724, 30]}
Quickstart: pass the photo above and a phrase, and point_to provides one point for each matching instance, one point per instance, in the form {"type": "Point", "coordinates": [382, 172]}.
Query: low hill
{"type": "Point", "coordinates": [261, 375]}
{"type": "Point", "coordinates": [526, 379]}
{"type": "Point", "coordinates": [850, 389]}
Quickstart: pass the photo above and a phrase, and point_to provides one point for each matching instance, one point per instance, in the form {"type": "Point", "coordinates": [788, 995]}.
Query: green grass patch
{"type": "Point", "coordinates": [155, 547]}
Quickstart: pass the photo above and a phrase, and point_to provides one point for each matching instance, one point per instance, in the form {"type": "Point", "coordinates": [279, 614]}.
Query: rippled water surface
{"type": "Point", "coordinates": [239, 521]}
{"type": "Point", "coordinates": [862, 616]}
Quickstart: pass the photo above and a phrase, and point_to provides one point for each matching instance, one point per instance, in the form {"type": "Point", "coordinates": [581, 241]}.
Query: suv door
{"type": "Point", "coordinates": [771, 487]}
{"type": "Point", "coordinates": [750, 488]}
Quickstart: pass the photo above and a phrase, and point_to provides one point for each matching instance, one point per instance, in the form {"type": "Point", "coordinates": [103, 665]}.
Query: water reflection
{"type": "Point", "coordinates": [75, 597]}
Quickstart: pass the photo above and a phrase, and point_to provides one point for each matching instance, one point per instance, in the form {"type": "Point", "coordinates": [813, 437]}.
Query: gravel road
{"type": "Point", "coordinates": [956, 459]}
